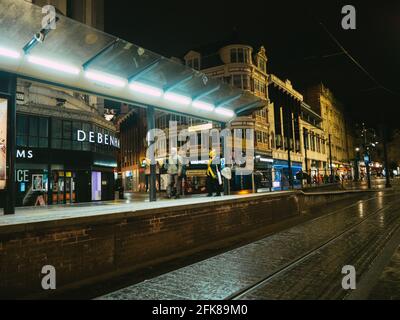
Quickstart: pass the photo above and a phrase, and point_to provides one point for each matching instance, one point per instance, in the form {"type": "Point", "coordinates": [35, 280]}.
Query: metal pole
{"type": "Point", "coordinates": [368, 170]}
{"type": "Point", "coordinates": [289, 148]}
{"type": "Point", "coordinates": [366, 152]}
{"type": "Point", "coordinates": [226, 181]}
{"type": "Point", "coordinates": [330, 157]}
{"type": "Point", "coordinates": [9, 207]}
{"type": "Point", "coordinates": [153, 171]}
{"type": "Point", "coordinates": [305, 138]}
{"type": "Point", "coordinates": [385, 155]}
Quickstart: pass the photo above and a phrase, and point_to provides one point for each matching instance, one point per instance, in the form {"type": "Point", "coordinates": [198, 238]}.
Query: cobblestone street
{"type": "Point", "coordinates": [303, 262]}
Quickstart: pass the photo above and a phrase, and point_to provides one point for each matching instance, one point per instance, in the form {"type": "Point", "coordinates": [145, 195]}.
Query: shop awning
{"type": "Point", "coordinates": [80, 58]}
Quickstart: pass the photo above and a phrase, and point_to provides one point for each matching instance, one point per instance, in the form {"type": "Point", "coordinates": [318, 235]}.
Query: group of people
{"type": "Point", "coordinates": [320, 179]}
{"type": "Point", "coordinates": [176, 170]}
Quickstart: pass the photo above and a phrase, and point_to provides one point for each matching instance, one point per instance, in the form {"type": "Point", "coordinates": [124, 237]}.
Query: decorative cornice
{"type": "Point", "coordinates": [64, 113]}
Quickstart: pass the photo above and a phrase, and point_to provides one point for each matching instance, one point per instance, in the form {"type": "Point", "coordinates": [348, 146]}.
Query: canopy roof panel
{"type": "Point", "coordinates": [82, 58]}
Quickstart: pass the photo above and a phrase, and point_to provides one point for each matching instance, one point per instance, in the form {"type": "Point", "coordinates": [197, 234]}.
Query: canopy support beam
{"type": "Point", "coordinates": [178, 83]}
{"type": "Point", "coordinates": [144, 70]}
{"type": "Point", "coordinates": [107, 48]}
{"type": "Point", "coordinates": [206, 93]}
{"type": "Point", "coordinates": [229, 100]}
{"type": "Point", "coordinates": [248, 107]}
{"type": "Point", "coordinates": [151, 124]}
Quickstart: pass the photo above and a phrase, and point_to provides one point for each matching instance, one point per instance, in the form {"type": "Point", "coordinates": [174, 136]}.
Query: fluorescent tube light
{"type": "Point", "coordinates": [225, 112]}
{"type": "Point", "coordinates": [105, 78]}
{"type": "Point", "coordinates": [9, 53]}
{"type": "Point", "coordinates": [177, 98]}
{"type": "Point", "coordinates": [146, 89]}
{"type": "Point", "coordinates": [203, 105]}
{"type": "Point", "coordinates": [53, 65]}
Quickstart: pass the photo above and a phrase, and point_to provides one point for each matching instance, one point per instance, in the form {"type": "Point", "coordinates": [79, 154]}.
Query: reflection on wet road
{"type": "Point", "coordinates": [303, 262]}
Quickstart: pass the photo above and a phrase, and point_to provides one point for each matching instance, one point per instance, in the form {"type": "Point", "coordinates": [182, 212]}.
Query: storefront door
{"type": "Point", "coordinates": [63, 187]}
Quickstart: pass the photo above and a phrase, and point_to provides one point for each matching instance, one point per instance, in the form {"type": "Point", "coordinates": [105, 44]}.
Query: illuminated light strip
{"type": "Point", "coordinates": [9, 53]}
{"type": "Point", "coordinates": [203, 106]}
{"type": "Point", "coordinates": [225, 112]}
{"type": "Point", "coordinates": [202, 127]}
{"type": "Point", "coordinates": [53, 65]}
{"type": "Point", "coordinates": [105, 78]}
{"type": "Point", "coordinates": [177, 98]}
{"type": "Point", "coordinates": [146, 89]}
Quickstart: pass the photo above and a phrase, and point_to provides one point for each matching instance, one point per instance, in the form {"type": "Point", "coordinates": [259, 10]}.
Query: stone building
{"type": "Point", "coordinates": [241, 66]}
{"type": "Point", "coordinates": [335, 124]}
{"type": "Point", "coordinates": [315, 149]}
{"type": "Point", "coordinates": [314, 115]}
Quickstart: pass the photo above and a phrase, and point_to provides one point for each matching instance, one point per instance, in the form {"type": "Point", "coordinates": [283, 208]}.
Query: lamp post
{"type": "Point", "coordinates": [367, 145]}
{"type": "Point", "coordinates": [330, 157]}
{"type": "Point", "coordinates": [357, 165]}
{"type": "Point", "coordinates": [305, 139]}
{"type": "Point", "coordinates": [385, 156]}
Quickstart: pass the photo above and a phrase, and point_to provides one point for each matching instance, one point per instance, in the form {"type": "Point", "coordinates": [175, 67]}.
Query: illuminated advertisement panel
{"type": "Point", "coordinates": [3, 143]}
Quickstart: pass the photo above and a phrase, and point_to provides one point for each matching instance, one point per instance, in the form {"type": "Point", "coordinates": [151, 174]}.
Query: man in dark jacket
{"type": "Point", "coordinates": [214, 179]}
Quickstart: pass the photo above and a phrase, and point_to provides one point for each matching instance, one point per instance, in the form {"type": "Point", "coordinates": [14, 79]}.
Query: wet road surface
{"type": "Point", "coordinates": [303, 262]}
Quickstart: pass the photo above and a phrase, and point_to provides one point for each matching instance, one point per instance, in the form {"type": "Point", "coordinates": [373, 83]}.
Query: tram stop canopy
{"type": "Point", "coordinates": [78, 57]}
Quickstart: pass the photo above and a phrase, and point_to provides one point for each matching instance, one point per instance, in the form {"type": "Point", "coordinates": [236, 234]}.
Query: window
{"type": "Point", "coordinates": [67, 135]}
{"type": "Point", "coordinates": [32, 131]}
{"type": "Point", "coordinates": [240, 55]}
{"type": "Point", "coordinates": [241, 81]}
{"type": "Point", "coordinates": [56, 132]}
{"type": "Point", "coordinates": [194, 63]}
{"type": "Point", "coordinates": [43, 132]}
{"type": "Point", "coordinates": [262, 64]}
{"type": "Point", "coordinates": [76, 145]}
{"type": "Point", "coordinates": [259, 137]}
{"type": "Point", "coordinates": [22, 130]}
{"type": "Point", "coordinates": [306, 139]}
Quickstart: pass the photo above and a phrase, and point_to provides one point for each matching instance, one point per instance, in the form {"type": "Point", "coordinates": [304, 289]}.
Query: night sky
{"type": "Point", "coordinates": [297, 46]}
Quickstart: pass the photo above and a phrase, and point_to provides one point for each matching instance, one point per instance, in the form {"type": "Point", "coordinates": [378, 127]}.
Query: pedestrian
{"type": "Point", "coordinates": [175, 163]}
{"type": "Point", "coordinates": [214, 179]}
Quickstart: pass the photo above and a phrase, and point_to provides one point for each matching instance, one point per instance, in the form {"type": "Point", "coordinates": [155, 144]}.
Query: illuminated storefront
{"type": "Point", "coordinates": [56, 166]}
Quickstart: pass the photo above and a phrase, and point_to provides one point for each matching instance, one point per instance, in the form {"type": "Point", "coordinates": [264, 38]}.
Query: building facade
{"type": "Point", "coordinates": [243, 67]}
{"type": "Point", "coordinates": [314, 145]}
{"type": "Point", "coordinates": [336, 127]}
{"type": "Point", "coordinates": [66, 150]}
{"type": "Point", "coordinates": [309, 127]}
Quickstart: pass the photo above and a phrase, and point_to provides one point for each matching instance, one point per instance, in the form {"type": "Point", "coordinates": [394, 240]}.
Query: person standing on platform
{"type": "Point", "coordinates": [175, 163]}
{"type": "Point", "coordinates": [214, 179]}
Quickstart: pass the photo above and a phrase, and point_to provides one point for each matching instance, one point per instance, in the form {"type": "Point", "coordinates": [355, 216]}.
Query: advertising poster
{"type": "Point", "coordinates": [3, 143]}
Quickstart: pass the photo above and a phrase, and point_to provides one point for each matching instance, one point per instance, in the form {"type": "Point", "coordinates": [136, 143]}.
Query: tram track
{"type": "Point", "coordinates": [285, 268]}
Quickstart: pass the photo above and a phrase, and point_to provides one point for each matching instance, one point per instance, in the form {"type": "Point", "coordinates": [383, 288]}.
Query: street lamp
{"type": "Point", "coordinates": [357, 165]}
{"type": "Point", "coordinates": [369, 141]}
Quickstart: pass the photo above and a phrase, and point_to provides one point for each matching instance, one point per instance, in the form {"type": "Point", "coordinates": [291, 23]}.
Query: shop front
{"type": "Point", "coordinates": [62, 167]}
{"type": "Point", "coordinates": [263, 171]}
{"type": "Point", "coordinates": [281, 175]}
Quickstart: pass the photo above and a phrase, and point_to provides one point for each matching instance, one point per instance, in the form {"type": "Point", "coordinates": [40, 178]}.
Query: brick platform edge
{"type": "Point", "coordinates": [85, 250]}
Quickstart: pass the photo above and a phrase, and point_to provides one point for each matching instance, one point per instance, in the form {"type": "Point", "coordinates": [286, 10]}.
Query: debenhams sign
{"type": "Point", "coordinates": [99, 138]}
